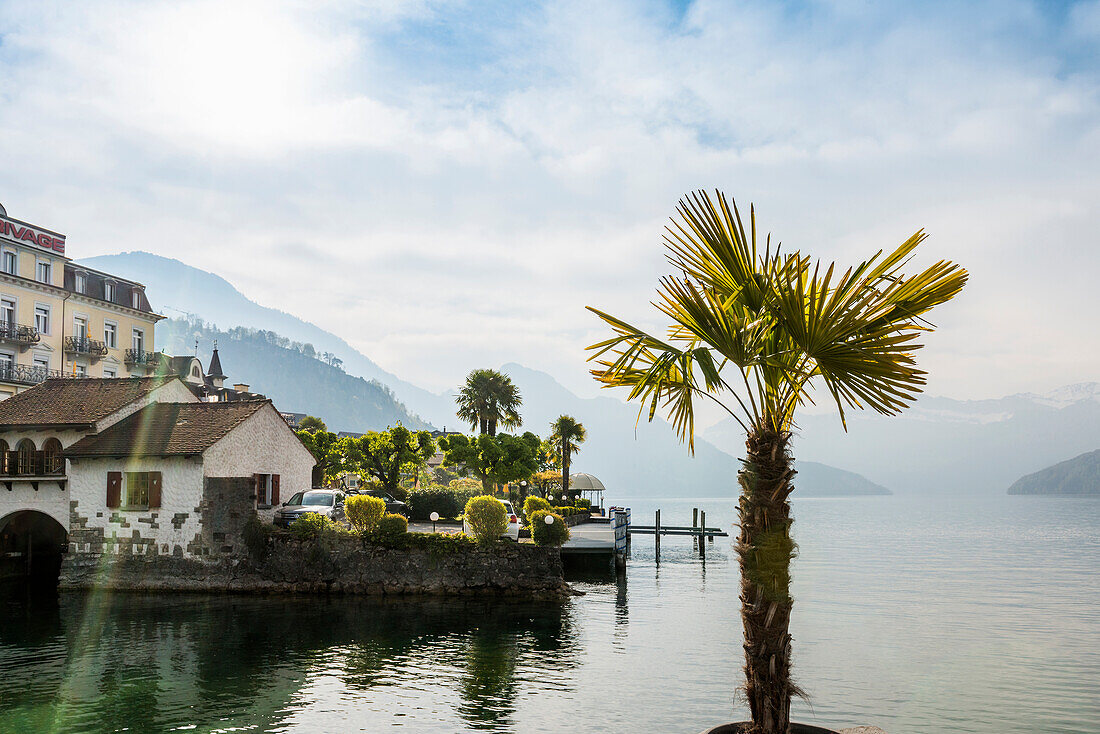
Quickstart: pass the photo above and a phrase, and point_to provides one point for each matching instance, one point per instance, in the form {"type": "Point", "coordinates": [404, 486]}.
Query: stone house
{"type": "Point", "coordinates": [137, 466]}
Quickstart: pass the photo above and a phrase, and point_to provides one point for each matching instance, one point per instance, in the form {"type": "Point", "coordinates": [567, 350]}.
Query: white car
{"type": "Point", "coordinates": [512, 531]}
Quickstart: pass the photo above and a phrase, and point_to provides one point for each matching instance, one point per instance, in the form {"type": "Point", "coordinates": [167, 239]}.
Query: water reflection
{"type": "Point", "coordinates": [150, 663]}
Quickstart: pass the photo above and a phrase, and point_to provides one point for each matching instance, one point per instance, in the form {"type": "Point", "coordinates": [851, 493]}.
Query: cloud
{"type": "Point", "coordinates": [446, 184]}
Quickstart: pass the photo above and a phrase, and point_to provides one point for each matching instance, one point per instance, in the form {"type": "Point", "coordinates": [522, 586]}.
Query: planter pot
{"type": "Point", "coordinates": [741, 726]}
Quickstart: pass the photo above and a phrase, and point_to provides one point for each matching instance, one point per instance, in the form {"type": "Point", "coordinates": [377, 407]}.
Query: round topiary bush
{"type": "Point", "coordinates": [364, 512]}
{"type": "Point", "coordinates": [391, 528]}
{"type": "Point", "coordinates": [486, 518]}
{"type": "Point", "coordinates": [544, 534]}
{"type": "Point", "coordinates": [534, 504]}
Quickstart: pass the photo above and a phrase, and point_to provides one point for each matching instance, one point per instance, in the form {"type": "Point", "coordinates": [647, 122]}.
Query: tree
{"type": "Point", "coordinates": [487, 399]}
{"type": "Point", "coordinates": [312, 424]}
{"type": "Point", "coordinates": [329, 459]}
{"type": "Point", "coordinates": [385, 455]}
{"type": "Point", "coordinates": [566, 434]}
{"type": "Point", "coordinates": [493, 459]}
{"type": "Point", "coordinates": [753, 330]}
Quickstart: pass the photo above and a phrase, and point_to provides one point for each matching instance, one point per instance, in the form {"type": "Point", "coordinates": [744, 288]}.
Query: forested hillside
{"type": "Point", "coordinates": [292, 374]}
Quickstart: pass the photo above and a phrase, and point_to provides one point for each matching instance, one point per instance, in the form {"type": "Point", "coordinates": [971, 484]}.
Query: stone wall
{"type": "Point", "coordinates": [343, 565]}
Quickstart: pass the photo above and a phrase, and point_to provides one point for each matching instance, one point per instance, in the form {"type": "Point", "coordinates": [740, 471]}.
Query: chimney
{"type": "Point", "coordinates": [240, 387]}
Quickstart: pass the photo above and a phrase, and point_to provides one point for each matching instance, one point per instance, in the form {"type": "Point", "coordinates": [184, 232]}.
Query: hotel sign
{"type": "Point", "coordinates": [25, 234]}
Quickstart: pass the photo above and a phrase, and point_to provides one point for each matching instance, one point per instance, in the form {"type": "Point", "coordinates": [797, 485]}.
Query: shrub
{"type": "Point", "coordinates": [364, 512]}
{"type": "Point", "coordinates": [533, 504]}
{"type": "Point", "coordinates": [310, 525]}
{"type": "Point", "coordinates": [447, 502]}
{"type": "Point", "coordinates": [391, 527]}
{"type": "Point", "coordinates": [256, 534]}
{"type": "Point", "coordinates": [487, 518]}
{"type": "Point", "coordinates": [544, 534]}
{"type": "Point", "coordinates": [582, 504]}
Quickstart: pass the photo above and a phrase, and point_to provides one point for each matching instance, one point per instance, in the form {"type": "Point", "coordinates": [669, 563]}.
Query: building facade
{"type": "Point", "coordinates": [60, 319]}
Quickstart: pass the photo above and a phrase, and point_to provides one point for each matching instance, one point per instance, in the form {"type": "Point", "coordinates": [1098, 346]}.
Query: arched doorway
{"type": "Point", "coordinates": [31, 546]}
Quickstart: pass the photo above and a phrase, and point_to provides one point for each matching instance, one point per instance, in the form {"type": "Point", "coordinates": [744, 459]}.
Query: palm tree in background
{"type": "Point", "coordinates": [753, 331]}
{"type": "Point", "coordinates": [489, 398]}
{"type": "Point", "coordinates": [566, 435]}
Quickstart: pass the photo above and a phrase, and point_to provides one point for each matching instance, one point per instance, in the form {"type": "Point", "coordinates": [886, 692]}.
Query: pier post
{"type": "Point", "coordinates": [657, 531]}
{"type": "Point", "coordinates": [702, 529]}
{"type": "Point", "coordinates": [694, 523]}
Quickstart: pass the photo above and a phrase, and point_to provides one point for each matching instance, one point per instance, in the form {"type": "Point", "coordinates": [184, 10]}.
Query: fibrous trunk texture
{"type": "Point", "coordinates": [766, 549]}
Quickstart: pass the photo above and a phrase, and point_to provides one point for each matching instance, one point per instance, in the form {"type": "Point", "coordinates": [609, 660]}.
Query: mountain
{"type": "Point", "coordinates": [1079, 476]}
{"type": "Point", "coordinates": [174, 286]}
{"type": "Point", "coordinates": [647, 460]}
{"type": "Point", "coordinates": [296, 382]}
{"type": "Point", "coordinates": [943, 445]}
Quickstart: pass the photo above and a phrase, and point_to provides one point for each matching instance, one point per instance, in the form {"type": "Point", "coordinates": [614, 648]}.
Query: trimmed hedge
{"type": "Point", "coordinates": [582, 504]}
{"type": "Point", "coordinates": [533, 504]}
{"type": "Point", "coordinates": [567, 511]}
{"type": "Point", "coordinates": [487, 518]}
{"type": "Point", "coordinates": [391, 527]}
{"type": "Point", "coordinates": [449, 503]}
{"type": "Point", "coordinates": [544, 534]}
{"type": "Point", "coordinates": [364, 512]}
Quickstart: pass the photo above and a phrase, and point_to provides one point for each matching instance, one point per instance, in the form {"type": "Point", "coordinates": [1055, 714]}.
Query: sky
{"type": "Point", "coordinates": [447, 185]}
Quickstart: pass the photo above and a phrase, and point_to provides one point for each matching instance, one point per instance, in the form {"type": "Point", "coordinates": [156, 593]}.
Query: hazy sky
{"type": "Point", "coordinates": [447, 185]}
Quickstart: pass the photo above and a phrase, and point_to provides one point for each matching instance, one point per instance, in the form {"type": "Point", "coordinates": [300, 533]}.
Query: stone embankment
{"type": "Point", "coordinates": [346, 566]}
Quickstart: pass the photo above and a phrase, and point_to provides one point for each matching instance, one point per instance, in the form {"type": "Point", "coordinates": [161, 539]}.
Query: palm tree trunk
{"type": "Point", "coordinates": [766, 549]}
{"type": "Point", "coordinates": [565, 470]}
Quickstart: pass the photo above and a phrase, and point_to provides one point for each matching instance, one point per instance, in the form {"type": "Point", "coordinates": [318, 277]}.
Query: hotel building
{"type": "Point", "coordinates": [60, 319]}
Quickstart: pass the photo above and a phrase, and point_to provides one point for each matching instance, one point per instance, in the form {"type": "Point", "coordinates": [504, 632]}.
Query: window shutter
{"type": "Point", "coordinates": [114, 488]}
{"type": "Point", "coordinates": [154, 488]}
{"type": "Point", "coordinates": [256, 489]}
{"type": "Point", "coordinates": [274, 489]}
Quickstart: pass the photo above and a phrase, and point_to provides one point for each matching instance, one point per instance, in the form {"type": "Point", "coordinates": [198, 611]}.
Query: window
{"type": "Point", "coordinates": [7, 365]}
{"type": "Point", "coordinates": [25, 463]}
{"type": "Point", "coordinates": [80, 283]}
{"type": "Point", "coordinates": [108, 291]}
{"type": "Point", "coordinates": [135, 298]}
{"type": "Point", "coordinates": [42, 319]}
{"type": "Point", "coordinates": [110, 334]}
{"type": "Point", "coordinates": [80, 327]}
{"type": "Point", "coordinates": [139, 340]}
{"type": "Point", "coordinates": [7, 310]}
{"type": "Point", "coordinates": [52, 463]}
{"type": "Point", "coordinates": [109, 372]}
{"type": "Point", "coordinates": [81, 370]}
{"type": "Point", "coordinates": [42, 364]}
{"type": "Point", "coordinates": [10, 263]}
{"type": "Point", "coordinates": [44, 271]}
{"type": "Point", "coordinates": [142, 489]}
{"type": "Point", "coordinates": [195, 371]}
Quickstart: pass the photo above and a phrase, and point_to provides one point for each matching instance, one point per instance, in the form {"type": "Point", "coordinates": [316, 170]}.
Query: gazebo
{"type": "Point", "coordinates": [589, 487]}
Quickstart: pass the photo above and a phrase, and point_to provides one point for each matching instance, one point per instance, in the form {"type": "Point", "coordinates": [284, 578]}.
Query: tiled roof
{"type": "Point", "coordinates": [167, 429]}
{"type": "Point", "coordinates": [64, 401]}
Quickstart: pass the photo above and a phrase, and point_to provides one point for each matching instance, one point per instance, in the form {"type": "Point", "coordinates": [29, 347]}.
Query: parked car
{"type": "Point", "coordinates": [512, 531]}
{"type": "Point", "coordinates": [395, 506]}
{"type": "Point", "coordinates": [327, 502]}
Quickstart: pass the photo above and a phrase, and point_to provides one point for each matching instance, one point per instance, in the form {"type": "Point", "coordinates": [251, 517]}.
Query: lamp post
{"type": "Point", "coordinates": [435, 517]}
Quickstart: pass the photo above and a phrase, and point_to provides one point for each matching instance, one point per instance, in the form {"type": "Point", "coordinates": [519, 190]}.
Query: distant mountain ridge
{"type": "Point", "coordinates": [1079, 476]}
{"type": "Point", "coordinates": [647, 460]}
{"type": "Point", "coordinates": [949, 446]}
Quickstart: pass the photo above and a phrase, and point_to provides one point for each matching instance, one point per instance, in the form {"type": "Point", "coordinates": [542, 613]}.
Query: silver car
{"type": "Point", "coordinates": [327, 502]}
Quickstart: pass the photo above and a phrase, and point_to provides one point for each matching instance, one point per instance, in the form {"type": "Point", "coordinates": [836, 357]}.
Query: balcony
{"type": "Point", "coordinates": [27, 375]}
{"type": "Point", "coordinates": [31, 464]}
{"type": "Point", "coordinates": [84, 345]}
{"type": "Point", "coordinates": [140, 358]}
{"type": "Point", "coordinates": [13, 333]}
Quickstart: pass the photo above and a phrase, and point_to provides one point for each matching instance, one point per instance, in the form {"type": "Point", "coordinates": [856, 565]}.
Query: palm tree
{"type": "Point", "coordinates": [488, 398]}
{"type": "Point", "coordinates": [566, 434]}
{"type": "Point", "coordinates": [754, 331]}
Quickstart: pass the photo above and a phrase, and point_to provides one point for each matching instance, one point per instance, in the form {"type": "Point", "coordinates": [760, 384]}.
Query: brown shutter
{"type": "Point", "coordinates": [114, 488]}
{"type": "Point", "coordinates": [274, 489]}
{"type": "Point", "coordinates": [154, 488]}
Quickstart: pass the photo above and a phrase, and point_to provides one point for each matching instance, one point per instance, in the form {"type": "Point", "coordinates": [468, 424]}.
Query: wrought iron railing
{"type": "Point", "coordinates": [141, 357]}
{"type": "Point", "coordinates": [84, 345]}
{"type": "Point", "coordinates": [31, 464]}
{"type": "Point", "coordinates": [29, 375]}
{"type": "Point", "coordinates": [18, 333]}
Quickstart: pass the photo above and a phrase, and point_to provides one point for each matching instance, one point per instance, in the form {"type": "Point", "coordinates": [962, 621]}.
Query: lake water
{"type": "Point", "coordinates": [915, 614]}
